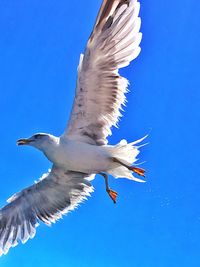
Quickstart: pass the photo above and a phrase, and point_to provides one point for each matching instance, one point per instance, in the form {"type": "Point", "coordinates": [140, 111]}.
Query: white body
{"type": "Point", "coordinates": [79, 156]}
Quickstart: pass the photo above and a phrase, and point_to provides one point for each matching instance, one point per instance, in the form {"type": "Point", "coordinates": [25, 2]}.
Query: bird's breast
{"type": "Point", "coordinates": [78, 156]}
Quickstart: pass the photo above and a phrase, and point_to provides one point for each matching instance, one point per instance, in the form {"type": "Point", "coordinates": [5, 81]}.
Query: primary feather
{"type": "Point", "coordinates": [47, 200]}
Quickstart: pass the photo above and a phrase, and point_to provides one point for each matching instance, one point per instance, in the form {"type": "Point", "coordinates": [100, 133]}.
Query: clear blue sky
{"type": "Point", "coordinates": [156, 224]}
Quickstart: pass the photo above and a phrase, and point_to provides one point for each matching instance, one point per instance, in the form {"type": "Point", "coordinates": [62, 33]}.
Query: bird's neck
{"type": "Point", "coordinates": [51, 149]}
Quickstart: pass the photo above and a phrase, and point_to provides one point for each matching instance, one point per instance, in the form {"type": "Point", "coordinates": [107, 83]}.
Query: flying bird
{"type": "Point", "coordinates": [82, 151]}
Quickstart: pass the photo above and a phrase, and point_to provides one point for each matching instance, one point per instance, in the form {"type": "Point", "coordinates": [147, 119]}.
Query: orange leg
{"type": "Point", "coordinates": [137, 170]}
{"type": "Point", "coordinates": [112, 194]}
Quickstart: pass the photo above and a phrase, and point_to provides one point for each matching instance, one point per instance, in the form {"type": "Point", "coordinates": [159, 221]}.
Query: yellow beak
{"type": "Point", "coordinates": [23, 141]}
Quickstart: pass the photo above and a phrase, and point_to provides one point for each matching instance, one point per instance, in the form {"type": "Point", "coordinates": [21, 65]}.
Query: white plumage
{"type": "Point", "coordinates": [82, 151]}
{"type": "Point", "coordinates": [54, 195]}
{"type": "Point", "coordinates": [100, 91]}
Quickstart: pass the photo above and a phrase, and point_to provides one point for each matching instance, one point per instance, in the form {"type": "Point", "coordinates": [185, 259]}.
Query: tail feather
{"type": "Point", "coordinates": [124, 156]}
{"type": "Point", "coordinates": [126, 152]}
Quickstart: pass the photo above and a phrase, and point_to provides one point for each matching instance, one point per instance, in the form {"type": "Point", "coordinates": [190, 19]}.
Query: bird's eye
{"type": "Point", "coordinates": [37, 136]}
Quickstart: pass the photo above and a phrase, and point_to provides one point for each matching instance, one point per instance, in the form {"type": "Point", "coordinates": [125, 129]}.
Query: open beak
{"type": "Point", "coordinates": [24, 141]}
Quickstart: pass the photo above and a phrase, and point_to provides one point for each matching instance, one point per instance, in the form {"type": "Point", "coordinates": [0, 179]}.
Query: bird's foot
{"type": "Point", "coordinates": [139, 171]}
{"type": "Point", "coordinates": [112, 194]}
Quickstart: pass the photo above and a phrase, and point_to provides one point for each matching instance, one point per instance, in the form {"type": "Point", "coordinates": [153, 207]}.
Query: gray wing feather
{"type": "Point", "coordinates": [100, 91]}
{"type": "Point", "coordinates": [47, 200]}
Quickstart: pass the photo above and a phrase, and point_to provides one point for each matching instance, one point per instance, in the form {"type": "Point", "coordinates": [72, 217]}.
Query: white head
{"type": "Point", "coordinates": [39, 141]}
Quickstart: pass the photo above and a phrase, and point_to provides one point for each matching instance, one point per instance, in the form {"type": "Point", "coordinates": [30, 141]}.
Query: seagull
{"type": "Point", "coordinates": [82, 151]}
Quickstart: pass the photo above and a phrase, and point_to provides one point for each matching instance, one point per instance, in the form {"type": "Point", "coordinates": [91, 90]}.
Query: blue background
{"type": "Point", "coordinates": [154, 224]}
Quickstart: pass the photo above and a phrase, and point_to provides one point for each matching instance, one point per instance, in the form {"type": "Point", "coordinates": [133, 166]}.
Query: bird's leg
{"type": "Point", "coordinates": [137, 170]}
{"type": "Point", "coordinates": [112, 194]}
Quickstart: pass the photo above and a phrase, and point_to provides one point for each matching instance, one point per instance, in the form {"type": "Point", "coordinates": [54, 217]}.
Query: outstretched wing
{"type": "Point", "coordinates": [100, 91]}
{"type": "Point", "coordinates": [55, 194]}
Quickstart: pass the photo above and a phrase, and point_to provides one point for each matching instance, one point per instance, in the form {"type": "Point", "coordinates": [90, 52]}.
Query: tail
{"type": "Point", "coordinates": [124, 156]}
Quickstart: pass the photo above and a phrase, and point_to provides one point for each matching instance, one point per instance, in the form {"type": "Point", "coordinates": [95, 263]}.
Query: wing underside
{"type": "Point", "coordinates": [47, 200]}
{"type": "Point", "coordinates": [100, 91]}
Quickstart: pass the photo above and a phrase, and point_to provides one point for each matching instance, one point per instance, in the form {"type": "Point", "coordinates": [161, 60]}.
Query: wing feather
{"type": "Point", "coordinates": [54, 195]}
{"type": "Point", "coordinates": [100, 91]}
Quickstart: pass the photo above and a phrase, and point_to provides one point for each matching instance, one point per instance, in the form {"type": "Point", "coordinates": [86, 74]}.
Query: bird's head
{"type": "Point", "coordinates": [39, 140]}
